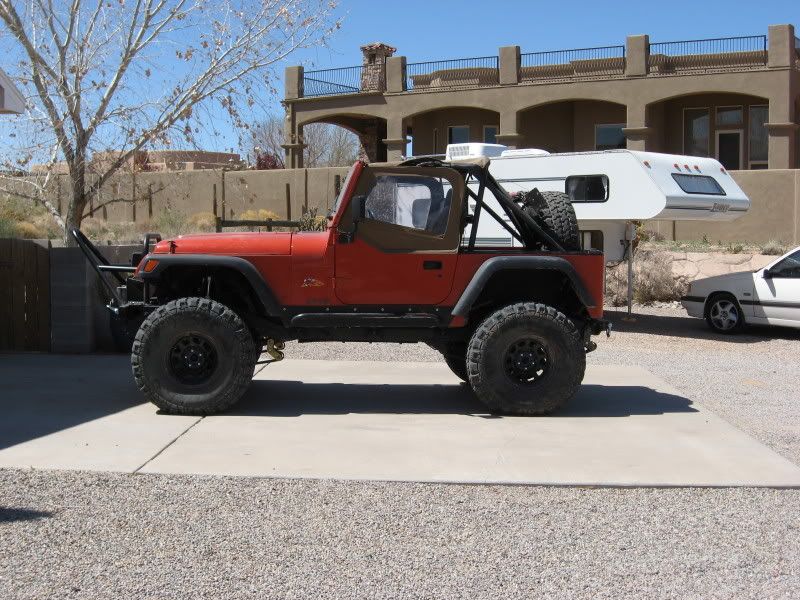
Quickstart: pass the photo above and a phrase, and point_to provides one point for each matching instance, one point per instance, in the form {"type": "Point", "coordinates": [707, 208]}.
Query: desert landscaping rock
{"type": "Point", "coordinates": [77, 535]}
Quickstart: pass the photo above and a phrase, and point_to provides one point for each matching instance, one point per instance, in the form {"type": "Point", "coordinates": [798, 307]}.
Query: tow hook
{"type": "Point", "coordinates": [274, 349]}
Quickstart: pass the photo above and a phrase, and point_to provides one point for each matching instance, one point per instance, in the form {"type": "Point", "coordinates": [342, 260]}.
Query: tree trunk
{"type": "Point", "coordinates": [77, 205]}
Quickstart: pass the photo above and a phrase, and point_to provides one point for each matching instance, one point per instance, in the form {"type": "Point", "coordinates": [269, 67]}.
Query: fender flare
{"type": "Point", "coordinates": [519, 263]}
{"type": "Point", "coordinates": [260, 287]}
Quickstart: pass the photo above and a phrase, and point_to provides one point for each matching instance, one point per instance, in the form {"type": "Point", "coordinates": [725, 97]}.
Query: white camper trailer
{"type": "Point", "coordinates": [611, 188]}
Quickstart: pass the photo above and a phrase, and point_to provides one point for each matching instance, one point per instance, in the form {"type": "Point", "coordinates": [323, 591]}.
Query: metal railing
{"type": "Point", "coordinates": [345, 80]}
{"type": "Point", "coordinates": [569, 64]}
{"type": "Point", "coordinates": [710, 54]}
{"type": "Point", "coordinates": [460, 72]}
{"type": "Point", "coordinates": [268, 224]}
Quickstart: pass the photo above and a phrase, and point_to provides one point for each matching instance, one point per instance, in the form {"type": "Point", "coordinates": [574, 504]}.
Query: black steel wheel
{"type": "Point", "coordinates": [525, 359]}
{"type": "Point", "coordinates": [193, 356]}
{"type": "Point", "coordinates": [193, 359]}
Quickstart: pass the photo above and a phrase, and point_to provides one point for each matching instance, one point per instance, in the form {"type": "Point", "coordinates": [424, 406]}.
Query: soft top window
{"type": "Point", "coordinates": [698, 184]}
{"type": "Point", "coordinates": [413, 201]}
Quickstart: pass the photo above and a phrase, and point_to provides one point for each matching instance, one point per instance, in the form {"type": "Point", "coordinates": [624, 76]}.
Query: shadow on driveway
{"type": "Point", "coordinates": [44, 393]}
{"type": "Point", "coordinates": [9, 515]}
{"type": "Point", "coordinates": [270, 398]}
{"type": "Point", "coordinates": [689, 327]}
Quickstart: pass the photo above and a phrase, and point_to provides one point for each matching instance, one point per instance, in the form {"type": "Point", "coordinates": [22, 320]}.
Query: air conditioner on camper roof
{"type": "Point", "coordinates": [456, 151]}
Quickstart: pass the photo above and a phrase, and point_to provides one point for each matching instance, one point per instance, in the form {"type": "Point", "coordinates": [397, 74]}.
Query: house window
{"type": "Point", "coordinates": [458, 134]}
{"type": "Point", "coordinates": [695, 131]}
{"type": "Point", "coordinates": [759, 140]}
{"type": "Point", "coordinates": [609, 136]}
{"type": "Point", "coordinates": [729, 116]}
{"type": "Point", "coordinates": [490, 134]}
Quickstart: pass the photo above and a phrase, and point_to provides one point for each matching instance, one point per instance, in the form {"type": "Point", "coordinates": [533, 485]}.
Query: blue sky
{"type": "Point", "coordinates": [425, 30]}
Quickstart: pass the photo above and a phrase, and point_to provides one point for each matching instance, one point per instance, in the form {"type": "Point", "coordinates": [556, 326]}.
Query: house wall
{"type": "Point", "coordinates": [424, 125]}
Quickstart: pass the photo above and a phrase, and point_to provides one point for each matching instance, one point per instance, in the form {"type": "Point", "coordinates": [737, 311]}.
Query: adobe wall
{"type": "Point", "coordinates": [774, 212]}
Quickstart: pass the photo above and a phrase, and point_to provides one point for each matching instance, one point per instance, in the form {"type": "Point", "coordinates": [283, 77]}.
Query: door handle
{"type": "Point", "coordinates": [431, 265]}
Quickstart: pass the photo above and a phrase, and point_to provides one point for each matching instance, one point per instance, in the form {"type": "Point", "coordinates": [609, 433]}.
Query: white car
{"type": "Point", "coordinates": [768, 296]}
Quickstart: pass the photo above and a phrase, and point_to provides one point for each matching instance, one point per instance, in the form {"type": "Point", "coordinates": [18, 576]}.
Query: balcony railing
{"type": "Point", "coordinates": [461, 72]}
{"type": "Point", "coordinates": [664, 58]}
{"type": "Point", "coordinates": [708, 55]}
{"type": "Point", "coordinates": [347, 80]}
{"type": "Point", "coordinates": [569, 64]}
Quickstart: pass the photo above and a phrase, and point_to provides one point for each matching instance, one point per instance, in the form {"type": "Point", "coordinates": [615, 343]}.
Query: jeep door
{"type": "Point", "coordinates": [403, 249]}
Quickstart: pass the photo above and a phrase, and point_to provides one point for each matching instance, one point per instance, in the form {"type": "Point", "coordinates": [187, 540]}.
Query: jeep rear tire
{"type": "Point", "coordinates": [554, 213]}
{"type": "Point", "coordinates": [526, 359]}
{"type": "Point", "coordinates": [193, 356]}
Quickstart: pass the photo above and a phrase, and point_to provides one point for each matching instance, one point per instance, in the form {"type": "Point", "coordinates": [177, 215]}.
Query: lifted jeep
{"type": "Point", "coordinates": [397, 263]}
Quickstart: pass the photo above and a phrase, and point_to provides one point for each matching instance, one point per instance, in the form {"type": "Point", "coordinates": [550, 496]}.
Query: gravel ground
{"type": "Point", "coordinates": [74, 535]}
{"type": "Point", "coordinates": [85, 535]}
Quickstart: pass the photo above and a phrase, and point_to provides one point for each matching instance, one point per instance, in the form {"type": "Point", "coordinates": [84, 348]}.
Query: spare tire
{"type": "Point", "coordinates": [554, 213]}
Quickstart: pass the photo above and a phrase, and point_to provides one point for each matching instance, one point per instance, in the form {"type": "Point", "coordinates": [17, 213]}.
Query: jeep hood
{"type": "Point", "coordinates": [234, 244]}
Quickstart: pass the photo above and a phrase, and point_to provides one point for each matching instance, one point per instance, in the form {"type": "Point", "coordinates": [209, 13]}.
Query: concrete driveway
{"type": "Point", "coordinates": [371, 420]}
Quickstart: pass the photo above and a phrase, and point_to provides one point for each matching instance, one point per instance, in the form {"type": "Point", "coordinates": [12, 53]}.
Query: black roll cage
{"type": "Point", "coordinates": [525, 229]}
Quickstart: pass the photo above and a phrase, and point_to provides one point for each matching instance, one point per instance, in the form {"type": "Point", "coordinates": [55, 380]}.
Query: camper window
{"type": "Point", "coordinates": [587, 188]}
{"type": "Point", "coordinates": [698, 184]}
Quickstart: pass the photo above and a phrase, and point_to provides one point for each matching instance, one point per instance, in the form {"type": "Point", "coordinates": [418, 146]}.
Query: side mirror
{"type": "Point", "coordinates": [359, 210]}
{"type": "Point", "coordinates": [358, 207]}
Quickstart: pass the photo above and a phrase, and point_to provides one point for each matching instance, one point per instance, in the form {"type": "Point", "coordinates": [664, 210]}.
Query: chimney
{"type": "Point", "coordinates": [373, 74]}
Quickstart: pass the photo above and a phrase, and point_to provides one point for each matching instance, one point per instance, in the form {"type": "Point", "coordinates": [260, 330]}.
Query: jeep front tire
{"type": "Point", "coordinates": [525, 359]}
{"type": "Point", "coordinates": [193, 356]}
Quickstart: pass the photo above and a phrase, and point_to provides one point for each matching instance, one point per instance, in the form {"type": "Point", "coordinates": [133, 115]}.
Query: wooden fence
{"type": "Point", "coordinates": [24, 295]}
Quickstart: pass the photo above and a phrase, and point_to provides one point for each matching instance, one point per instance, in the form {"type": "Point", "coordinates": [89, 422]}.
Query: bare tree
{"type": "Point", "coordinates": [326, 145]}
{"type": "Point", "coordinates": [131, 75]}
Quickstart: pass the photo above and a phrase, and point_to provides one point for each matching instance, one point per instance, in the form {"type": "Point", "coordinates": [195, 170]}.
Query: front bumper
{"type": "Point", "coordinates": [694, 305]}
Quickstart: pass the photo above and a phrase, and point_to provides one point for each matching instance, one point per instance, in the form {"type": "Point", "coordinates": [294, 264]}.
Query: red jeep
{"type": "Point", "coordinates": [398, 262]}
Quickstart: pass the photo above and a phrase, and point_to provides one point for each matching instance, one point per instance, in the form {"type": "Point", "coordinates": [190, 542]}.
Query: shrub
{"type": "Point", "coordinates": [653, 280]}
{"type": "Point", "coordinates": [259, 215]}
{"type": "Point", "coordinates": [774, 248]}
{"type": "Point", "coordinates": [309, 221]}
{"type": "Point", "coordinates": [735, 248]}
{"type": "Point", "coordinates": [169, 223]}
{"type": "Point", "coordinates": [24, 229]}
{"type": "Point", "coordinates": [6, 228]}
{"type": "Point", "coordinates": [203, 221]}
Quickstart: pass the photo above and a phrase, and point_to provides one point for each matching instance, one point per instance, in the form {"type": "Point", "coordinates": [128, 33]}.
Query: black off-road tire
{"type": "Point", "coordinates": [554, 213]}
{"type": "Point", "coordinates": [525, 325]}
{"type": "Point", "coordinates": [219, 333]}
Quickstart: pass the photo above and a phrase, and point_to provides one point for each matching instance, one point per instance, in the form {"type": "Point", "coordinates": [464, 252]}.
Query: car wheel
{"type": "Point", "coordinates": [526, 359]}
{"type": "Point", "coordinates": [723, 314]}
{"type": "Point", "coordinates": [193, 356]}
